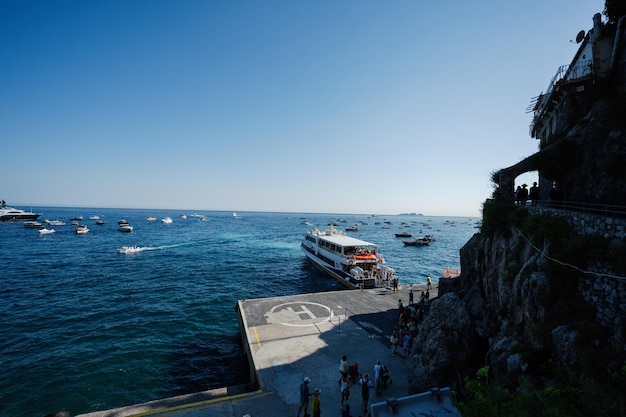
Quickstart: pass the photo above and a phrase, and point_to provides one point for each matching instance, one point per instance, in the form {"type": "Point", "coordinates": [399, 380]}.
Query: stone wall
{"type": "Point", "coordinates": [604, 290]}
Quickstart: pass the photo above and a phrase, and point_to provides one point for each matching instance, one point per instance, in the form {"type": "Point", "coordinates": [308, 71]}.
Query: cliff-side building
{"type": "Point", "coordinates": [566, 98]}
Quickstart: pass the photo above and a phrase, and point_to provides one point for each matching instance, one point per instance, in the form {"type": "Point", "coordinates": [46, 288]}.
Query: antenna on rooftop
{"type": "Point", "coordinates": [580, 36]}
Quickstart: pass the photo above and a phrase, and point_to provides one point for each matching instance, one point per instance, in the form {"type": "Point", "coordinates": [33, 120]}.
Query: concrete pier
{"type": "Point", "coordinates": [292, 337]}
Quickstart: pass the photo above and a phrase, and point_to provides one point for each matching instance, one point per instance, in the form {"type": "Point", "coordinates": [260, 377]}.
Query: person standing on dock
{"type": "Point", "coordinates": [411, 296]}
{"type": "Point", "coordinates": [366, 386]}
{"type": "Point", "coordinates": [343, 366]}
{"type": "Point", "coordinates": [395, 284]}
{"type": "Point", "coordinates": [429, 282]}
{"type": "Point", "coordinates": [344, 388]}
{"type": "Point", "coordinates": [394, 341]}
{"type": "Point", "coordinates": [304, 395]}
{"type": "Point", "coordinates": [315, 403]}
{"type": "Point", "coordinates": [407, 344]}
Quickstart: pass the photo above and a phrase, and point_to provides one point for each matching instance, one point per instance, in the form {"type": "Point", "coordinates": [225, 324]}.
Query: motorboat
{"type": "Point", "coordinates": [82, 230]}
{"type": "Point", "coordinates": [8, 214]}
{"type": "Point", "coordinates": [403, 234]}
{"type": "Point", "coordinates": [130, 249]}
{"type": "Point", "coordinates": [430, 238]}
{"type": "Point", "coordinates": [354, 228]}
{"type": "Point", "coordinates": [353, 262]}
{"type": "Point", "coordinates": [94, 217]}
{"type": "Point", "coordinates": [33, 224]}
{"type": "Point", "coordinates": [418, 241]}
{"type": "Point", "coordinates": [54, 222]}
{"type": "Point", "coordinates": [77, 218]}
{"type": "Point", "coordinates": [125, 227]}
{"type": "Point", "coordinates": [166, 220]}
{"type": "Point", "coordinates": [150, 219]}
{"type": "Point", "coordinates": [45, 231]}
{"type": "Point", "coordinates": [122, 221]}
{"type": "Point", "coordinates": [183, 216]}
{"type": "Point", "coordinates": [100, 222]}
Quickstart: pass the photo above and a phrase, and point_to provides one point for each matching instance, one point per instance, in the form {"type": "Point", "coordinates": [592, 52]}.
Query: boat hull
{"type": "Point", "coordinates": [340, 276]}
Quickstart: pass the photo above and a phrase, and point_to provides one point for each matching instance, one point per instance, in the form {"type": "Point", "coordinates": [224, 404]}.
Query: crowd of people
{"type": "Point", "coordinates": [402, 335]}
{"type": "Point", "coordinates": [349, 376]}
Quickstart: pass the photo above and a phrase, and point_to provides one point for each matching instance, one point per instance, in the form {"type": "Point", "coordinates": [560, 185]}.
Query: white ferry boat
{"type": "Point", "coordinates": [353, 262]}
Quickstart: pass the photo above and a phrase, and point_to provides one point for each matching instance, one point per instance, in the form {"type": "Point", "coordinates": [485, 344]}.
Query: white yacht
{"type": "Point", "coordinates": [11, 214]}
{"type": "Point", "coordinates": [353, 262]}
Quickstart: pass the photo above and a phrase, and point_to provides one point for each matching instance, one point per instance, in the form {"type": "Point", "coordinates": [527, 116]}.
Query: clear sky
{"type": "Point", "coordinates": [374, 107]}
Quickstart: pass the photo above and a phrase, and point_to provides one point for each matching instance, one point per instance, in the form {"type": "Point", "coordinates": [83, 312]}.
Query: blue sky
{"type": "Point", "coordinates": [319, 106]}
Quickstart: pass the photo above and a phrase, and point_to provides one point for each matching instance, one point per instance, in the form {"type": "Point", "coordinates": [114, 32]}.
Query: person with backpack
{"type": "Point", "coordinates": [366, 386]}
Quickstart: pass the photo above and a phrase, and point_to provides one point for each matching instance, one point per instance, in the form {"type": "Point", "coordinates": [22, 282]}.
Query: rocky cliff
{"type": "Point", "coordinates": [518, 310]}
{"type": "Point", "coordinates": [536, 294]}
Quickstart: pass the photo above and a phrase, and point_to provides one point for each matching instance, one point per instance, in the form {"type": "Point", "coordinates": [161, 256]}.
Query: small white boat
{"type": "Point", "coordinates": [166, 220]}
{"type": "Point", "coordinates": [183, 216]}
{"type": "Point", "coordinates": [130, 249]}
{"type": "Point", "coordinates": [45, 231]}
{"type": "Point", "coordinates": [33, 224]}
{"type": "Point", "coordinates": [82, 230]}
{"type": "Point", "coordinates": [54, 222]}
{"type": "Point", "coordinates": [125, 227]}
{"type": "Point", "coordinates": [95, 217]}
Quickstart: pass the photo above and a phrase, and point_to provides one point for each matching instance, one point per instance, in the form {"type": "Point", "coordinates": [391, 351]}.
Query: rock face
{"type": "Point", "coordinates": [508, 311]}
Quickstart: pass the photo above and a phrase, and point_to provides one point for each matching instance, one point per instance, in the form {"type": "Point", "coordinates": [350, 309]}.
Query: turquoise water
{"type": "Point", "coordinates": [85, 328]}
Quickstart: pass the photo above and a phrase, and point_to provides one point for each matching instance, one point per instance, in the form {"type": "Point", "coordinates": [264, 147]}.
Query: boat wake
{"type": "Point", "coordinates": [137, 249]}
{"type": "Point", "coordinates": [134, 249]}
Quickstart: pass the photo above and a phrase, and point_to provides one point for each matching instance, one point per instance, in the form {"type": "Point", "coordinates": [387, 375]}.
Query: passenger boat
{"type": "Point", "coordinates": [353, 262]}
{"type": "Point", "coordinates": [8, 214]}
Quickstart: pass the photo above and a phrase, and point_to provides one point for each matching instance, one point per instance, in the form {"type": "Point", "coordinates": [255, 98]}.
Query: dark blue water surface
{"type": "Point", "coordinates": [84, 328]}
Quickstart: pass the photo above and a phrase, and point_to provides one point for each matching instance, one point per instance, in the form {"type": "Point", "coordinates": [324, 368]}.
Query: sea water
{"type": "Point", "coordinates": [84, 328]}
